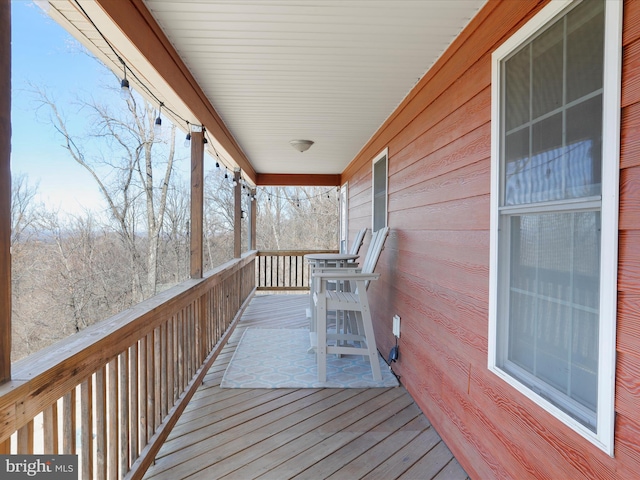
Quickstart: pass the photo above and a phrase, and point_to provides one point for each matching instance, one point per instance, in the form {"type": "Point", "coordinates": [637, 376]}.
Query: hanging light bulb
{"type": "Point", "coordinates": [157, 128]}
{"type": "Point", "coordinates": [124, 88]}
{"type": "Point", "coordinates": [217, 164]}
{"type": "Point", "coordinates": [187, 140]}
{"type": "Point", "coordinates": [124, 84]}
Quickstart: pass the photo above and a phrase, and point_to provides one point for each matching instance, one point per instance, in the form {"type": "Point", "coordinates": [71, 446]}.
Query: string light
{"type": "Point", "coordinates": [125, 92]}
{"type": "Point", "coordinates": [187, 140]}
{"type": "Point", "coordinates": [157, 128]}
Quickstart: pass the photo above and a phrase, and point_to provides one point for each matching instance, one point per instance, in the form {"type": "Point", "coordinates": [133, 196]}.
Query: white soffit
{"type": "Point", "coordinates": [330, 71]}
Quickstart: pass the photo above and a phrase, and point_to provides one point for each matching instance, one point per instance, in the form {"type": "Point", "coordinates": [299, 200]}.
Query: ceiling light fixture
{"type": "Point", "coordinates": [301, 145]}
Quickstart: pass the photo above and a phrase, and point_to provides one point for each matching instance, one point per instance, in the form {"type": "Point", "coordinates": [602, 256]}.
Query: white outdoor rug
{"type": "Point", "coordinates": [278, 358]}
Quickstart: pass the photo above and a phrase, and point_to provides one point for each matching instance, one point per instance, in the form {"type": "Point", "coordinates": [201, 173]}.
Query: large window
{"type": "Point", "coordinates": [554, 212]}
{"type": "Point", "coordinates": [379, 175]}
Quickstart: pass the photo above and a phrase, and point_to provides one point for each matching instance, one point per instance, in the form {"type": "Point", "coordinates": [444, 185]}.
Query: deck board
{"type": "Point", "coordinates": [299, 433]}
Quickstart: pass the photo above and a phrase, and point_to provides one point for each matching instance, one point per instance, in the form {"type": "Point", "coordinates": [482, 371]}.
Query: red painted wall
{"type": "Point", "coordinates": [435, 265]}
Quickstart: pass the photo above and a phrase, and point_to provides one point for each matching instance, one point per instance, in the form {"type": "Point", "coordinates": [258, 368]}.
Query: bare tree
{"type": "Point", "coordinates": [218, 219]}
{"type": "Point", "coordinates": [297, 217]}
{"type": "Point", "coordinates": [176, 244]}
{"type": "Point", "coordinates": [24, 208]}
{"type": "Point", "coordinates": [124, 168]}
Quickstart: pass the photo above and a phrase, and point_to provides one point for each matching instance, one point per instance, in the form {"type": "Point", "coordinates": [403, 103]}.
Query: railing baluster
{"type": "Point", "coordinates": [133, 402]}
{"type": "Point", "coordinates": [25, 439]}
{"type": "Point", "coordinates": [123, 387]}
{"type": "Point", "coordinates": [174, 356]}
{"type": "Point", "coordinates": [151, 410]}
{"type": "Point", "coordinates": [170, 363]}
{"type": "Point", "coordinates": [207, 323]}
{"type": "Point", "coordinates": [180, 339]}
{"type": "Point", "coordinates": [50, 429]}
{"type": "Point", "coordinates": [271, 271]}
{"type": "Point", "coordinates": [86, 428]}
{"type": "Point", "coordinates": [69, 423]}
{"type": "Point", "coordinates": [101, 424]}
{"type": "Point", "coordinates": [193, 350]}
{"type": "Point", "coordinates": [197, 332]}
{"type": "Point", "coordinates": [216, 310]}
{"type": "Point", "coordinates": [157, 375]}
{"type": "Point", "coordinates": [187, 345]}
{"type": "Point", "coordinates": [163, 370]}
{"type": "Point", "coordinates": [112, 420]}
{"type": "Point", "coordinates": [142, 394]}
{"type": "Point", "coordinates": [193, 343]}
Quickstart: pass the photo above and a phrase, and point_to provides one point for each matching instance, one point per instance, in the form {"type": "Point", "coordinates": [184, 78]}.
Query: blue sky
{"type": "Point", "coordinates": [45, 56]}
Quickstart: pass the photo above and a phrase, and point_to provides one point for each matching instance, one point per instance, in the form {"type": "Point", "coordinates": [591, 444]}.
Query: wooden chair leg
{"type": "Point", "coordinates": [321, 330]}
{"type": "Point", "coordinates": [371, 340]}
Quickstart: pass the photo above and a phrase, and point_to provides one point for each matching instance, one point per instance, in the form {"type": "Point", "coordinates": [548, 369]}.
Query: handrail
{"type": "Point", "coordinates": [284, 270]}
{"type": "Point", "coordinates": [130, 375]}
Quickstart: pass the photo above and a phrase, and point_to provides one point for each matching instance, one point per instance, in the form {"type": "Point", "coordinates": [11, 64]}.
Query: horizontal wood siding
{"type": "Point", "coordinates": [435, 264]}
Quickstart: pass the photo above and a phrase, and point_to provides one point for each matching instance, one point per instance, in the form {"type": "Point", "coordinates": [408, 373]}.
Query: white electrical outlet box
{"type": "Point", "coordinates": [396, 325]}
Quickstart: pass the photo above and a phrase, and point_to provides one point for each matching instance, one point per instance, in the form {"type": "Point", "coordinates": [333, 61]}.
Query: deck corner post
{"type": "Point", "coordinates": [197, 202]}
{"type": "Point", "coordinates": [237, 215]}
{"type": "Point", "coordinates": [253, 209]}
{"type": "Point", "coordinates": [5, 190]}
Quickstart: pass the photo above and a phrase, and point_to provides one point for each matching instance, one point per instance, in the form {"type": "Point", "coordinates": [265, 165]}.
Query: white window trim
{"type": "Point", "coordinates": [376, 159]}
{"type": "Point", "coordinates": [604, 437]}
{"type": "Point", "coordinates": [344, 216]}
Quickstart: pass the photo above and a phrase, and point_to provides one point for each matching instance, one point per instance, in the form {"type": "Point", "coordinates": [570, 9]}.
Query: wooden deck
{"type": "Point", "coordinates": [299, 433]}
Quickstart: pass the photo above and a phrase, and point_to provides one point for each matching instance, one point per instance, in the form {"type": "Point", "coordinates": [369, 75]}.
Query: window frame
{"type": "Point", "coordinates": [344, 217]}
{"type": "Point", "coordinates": [603, 437]}
{"type": "Point", "coordinates": [384, 154]}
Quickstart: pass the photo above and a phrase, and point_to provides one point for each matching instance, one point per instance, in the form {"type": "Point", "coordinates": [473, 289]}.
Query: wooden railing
{"type": "Point", "coordinates": [284, 270]}
{"type": "Point", "coordinates": [112, 393]}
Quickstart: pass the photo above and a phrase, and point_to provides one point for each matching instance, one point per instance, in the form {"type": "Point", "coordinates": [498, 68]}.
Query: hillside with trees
{"type": "Point", "coordinates": [70, 271]}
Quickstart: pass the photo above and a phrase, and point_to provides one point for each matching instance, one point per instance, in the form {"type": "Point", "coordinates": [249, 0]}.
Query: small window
{"type": "Point", "coordinates": [379, 175]}
{"type": "Point", "coordinates": [555, 163]}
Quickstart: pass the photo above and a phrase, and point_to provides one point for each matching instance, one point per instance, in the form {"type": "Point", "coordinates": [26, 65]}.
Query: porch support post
{"type": "Point", "coordinates": [5, 190]}
{"type": "Point", "coordinates": [237, 215]}
{"type": "Point", "coordinates": [197, 201]}
{"type": "Point", "coordinates": [253, 207]}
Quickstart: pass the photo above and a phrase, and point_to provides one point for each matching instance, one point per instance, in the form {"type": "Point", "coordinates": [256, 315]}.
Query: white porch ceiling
{"type": "Point", "coordinates": [330, 71]}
